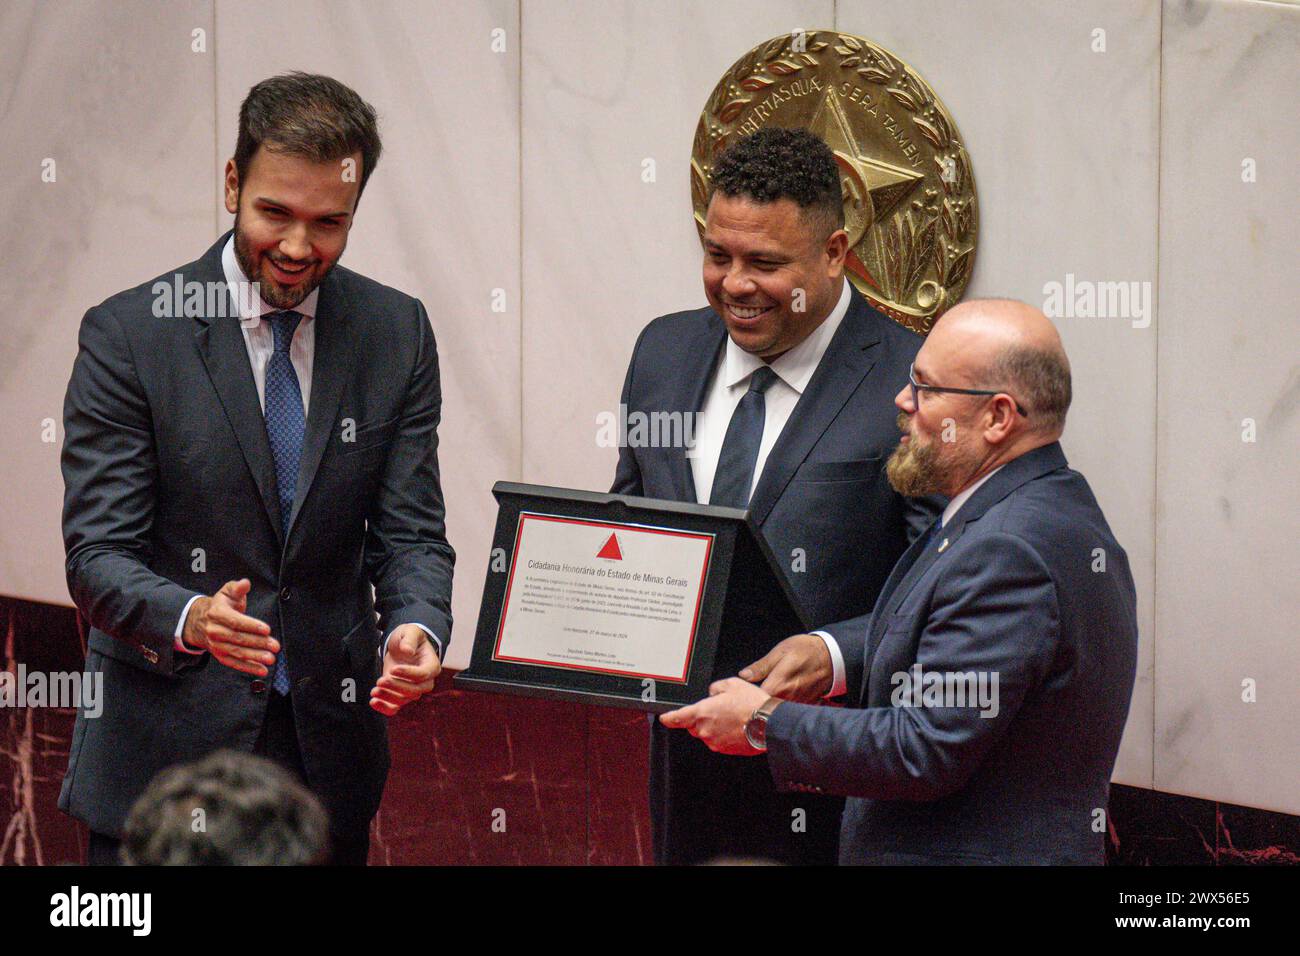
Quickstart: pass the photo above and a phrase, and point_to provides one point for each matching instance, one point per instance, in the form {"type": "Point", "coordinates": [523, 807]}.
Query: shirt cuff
{"type": "Point", "coordinates": [437, 641]}
{"type": "Point", "coordinates": [179, 644]}
{"type": "Point", "coordinates": [839, 683]}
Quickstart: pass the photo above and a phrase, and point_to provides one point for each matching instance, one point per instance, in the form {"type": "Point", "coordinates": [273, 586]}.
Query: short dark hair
{"type": "Point", "coordinates": [253, 813]}
{"type": "Point", "coordinates": [776, 163]}
{"type": "Point", "coordinates": [309, 115]}
{"type": "Point", "coordinates": [1040, 379]}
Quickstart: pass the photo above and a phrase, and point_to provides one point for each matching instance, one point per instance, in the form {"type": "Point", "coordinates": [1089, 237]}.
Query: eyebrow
{"type": "Point", "coordinates": [768, 255]}
{"type": "Point", "coordinates": [279, 205]}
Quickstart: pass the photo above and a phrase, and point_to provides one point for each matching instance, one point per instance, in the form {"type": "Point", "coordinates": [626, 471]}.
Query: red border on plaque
{"type": "Point", "coordinates": [695, 619]}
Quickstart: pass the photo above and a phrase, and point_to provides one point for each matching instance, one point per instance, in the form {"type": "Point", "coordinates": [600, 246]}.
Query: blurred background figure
{"type": "Point", "coordinates": [228, 809]}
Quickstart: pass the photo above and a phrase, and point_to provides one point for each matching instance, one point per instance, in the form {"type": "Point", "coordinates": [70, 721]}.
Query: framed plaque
{"type": "Point", "coordinates": [623, 601]}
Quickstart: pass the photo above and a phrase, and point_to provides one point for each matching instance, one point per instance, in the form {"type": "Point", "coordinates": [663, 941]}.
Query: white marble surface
{"type": "Point", "coordinates": [439, 219]}
{"type": "Point", "coordinates": [1228, 525]}
{"type": "Point", "coordinates": [111, 92]}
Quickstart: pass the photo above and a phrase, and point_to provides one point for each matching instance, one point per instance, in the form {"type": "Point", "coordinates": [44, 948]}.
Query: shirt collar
{"type": "Point", "coordinates": [963, 496]}
{"type": "Point", "coordinates": [250, 313]}
{"type": "Point", "coordinates": [796, 366]}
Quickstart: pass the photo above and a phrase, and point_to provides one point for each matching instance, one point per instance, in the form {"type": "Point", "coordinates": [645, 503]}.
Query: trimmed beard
{"type": "Point", "coordinates": [913, 469]}
{"type": "Point", "coordinates": [916, 469]}
{"type": "Point", "coordinates": [272, 295]}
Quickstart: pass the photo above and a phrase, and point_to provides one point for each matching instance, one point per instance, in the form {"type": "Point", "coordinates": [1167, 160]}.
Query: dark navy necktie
{"type": "Point", "coordinates": [936, 530]}
{"type": "Point", "coordinates": [286, 424]}
{"type": "Point", "coordinates": [735, 474]}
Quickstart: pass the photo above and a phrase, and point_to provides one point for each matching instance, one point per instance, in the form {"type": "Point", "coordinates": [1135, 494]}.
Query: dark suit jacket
{"type": "Point", "coordinates": [170, 492]}
{"type": "Point", "coordinates": [823, 491]}
{"type": "Point", "coordinates": [1013, 585]}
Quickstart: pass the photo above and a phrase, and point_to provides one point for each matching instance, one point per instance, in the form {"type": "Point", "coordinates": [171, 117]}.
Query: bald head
{"type": "Point", "coordinates": [1007, 345]}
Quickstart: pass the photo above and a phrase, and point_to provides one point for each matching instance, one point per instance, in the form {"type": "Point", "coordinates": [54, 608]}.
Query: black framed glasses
{"type": "Point", "coordinates": [918, 387]}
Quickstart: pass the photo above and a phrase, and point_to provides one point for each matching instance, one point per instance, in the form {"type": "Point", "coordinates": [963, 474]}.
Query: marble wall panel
{"type": "Point", "coordinates": [1228, 526]}
{"type": "Point", "coordinates": [607, 87]}
{"type": "Point", "coordinates": [106, 117]}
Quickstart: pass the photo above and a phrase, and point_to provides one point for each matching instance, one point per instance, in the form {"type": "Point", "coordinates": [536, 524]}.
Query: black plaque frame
{"type": "Point", "coordinates": [747, 605]}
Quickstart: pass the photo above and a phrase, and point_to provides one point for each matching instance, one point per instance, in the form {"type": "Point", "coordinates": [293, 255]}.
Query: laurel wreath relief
{"type": "Point", "coordinates": [913, 239]}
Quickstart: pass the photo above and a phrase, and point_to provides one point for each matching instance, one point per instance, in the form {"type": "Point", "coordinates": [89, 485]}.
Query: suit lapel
{"type": "Point", "coordinates": [916, 560]}
{"type": "Point", "coordinates": [221, 345]}
{"type": "Point", "coordinates": [845, 364]}
{"type": "Point", "coordinates": [919, 556]}
{"type": "Point", "coordinates": [901, 571]}
{"type": "Point", "coordinates": [932, 545]}
{"type": "Point", "coordinates": [1033, 464]}
{"type": "Point", "coordinates": [332, 363]}
{"type": "Point", "coordinates": [699, 359]}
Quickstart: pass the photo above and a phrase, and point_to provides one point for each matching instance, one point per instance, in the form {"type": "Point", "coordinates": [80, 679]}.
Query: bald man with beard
{"type": "Point", "coordinates": [994, 674]}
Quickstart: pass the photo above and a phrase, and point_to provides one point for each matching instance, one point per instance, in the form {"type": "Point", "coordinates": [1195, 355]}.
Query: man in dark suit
{"type": "Point", "coordinates": [251, 474]}
{"type": "Point", "coordinates": [994, 675]}
{"type": "Point", "coordinates": [787, 377]}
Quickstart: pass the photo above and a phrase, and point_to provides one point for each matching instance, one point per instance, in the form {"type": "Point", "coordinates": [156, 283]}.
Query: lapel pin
{"type": "Point", "coordinates": [943, 547]}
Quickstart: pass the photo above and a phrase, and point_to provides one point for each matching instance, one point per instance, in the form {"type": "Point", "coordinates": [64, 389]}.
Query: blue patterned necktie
{"type": "Point", "coordinates": [286, 424]}
{"type": "Point", "coordinates": [735, 474]}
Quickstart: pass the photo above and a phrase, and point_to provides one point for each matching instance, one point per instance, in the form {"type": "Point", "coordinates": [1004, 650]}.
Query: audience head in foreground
{"type": "Point", "coordinates": [228, 809]}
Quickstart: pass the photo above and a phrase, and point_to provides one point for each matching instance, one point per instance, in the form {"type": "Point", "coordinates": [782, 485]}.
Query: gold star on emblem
{"type": "Point", "coordinates": [871, 188]}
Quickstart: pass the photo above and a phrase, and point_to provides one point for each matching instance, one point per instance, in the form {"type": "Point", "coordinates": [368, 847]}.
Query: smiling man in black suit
{"type": "Point", "coordinates": [792, 374]}
{"type": "Point", "coordinates": [251, 446]}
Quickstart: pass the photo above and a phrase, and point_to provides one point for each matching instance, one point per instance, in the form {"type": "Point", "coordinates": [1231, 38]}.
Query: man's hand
{"type": "Point", "coordinates": [719, 720]}
{"type": "Point", "coordinates": [219, 626]}
{"type": "Point", "coordinates": [411, 666]}
{"type": "Point", "coordinates": [797, 669]}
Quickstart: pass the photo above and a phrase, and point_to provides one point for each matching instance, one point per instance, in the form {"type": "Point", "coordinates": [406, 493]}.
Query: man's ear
{"type": "Point", "coordinates": [1000, 419]}
{"type": "Point", "coordinates": [231, 185]}
{"type": "Point", "coordinates": [837, 248]}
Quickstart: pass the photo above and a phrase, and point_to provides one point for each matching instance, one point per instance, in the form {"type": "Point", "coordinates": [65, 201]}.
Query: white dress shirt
{"type": "Point", "coordinates": [730, 382]}
{"type": "Point", "coordinates": [259, 340]}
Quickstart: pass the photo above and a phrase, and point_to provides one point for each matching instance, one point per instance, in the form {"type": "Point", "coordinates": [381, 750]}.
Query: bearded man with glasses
{"type": "Point", "coordinates": [992, 679]}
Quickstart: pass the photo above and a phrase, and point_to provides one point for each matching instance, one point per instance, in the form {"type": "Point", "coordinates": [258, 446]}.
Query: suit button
{"type": "Point", "coordinates": [258, 686]}
{"type": "Point", "coordinates": [285, 593]}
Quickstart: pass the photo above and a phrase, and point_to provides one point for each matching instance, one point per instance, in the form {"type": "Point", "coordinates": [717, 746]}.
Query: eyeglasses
{"type": "Point", "coordinates": [918, 387]}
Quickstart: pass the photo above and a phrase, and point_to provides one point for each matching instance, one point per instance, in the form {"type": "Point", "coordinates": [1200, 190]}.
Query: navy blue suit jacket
{"type": "Point", "coordinates": [170, 492]}
{"type": "Point", "coordinates": [1025, 582]}
{"type": "Point", "coordinates": [835, 525]}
